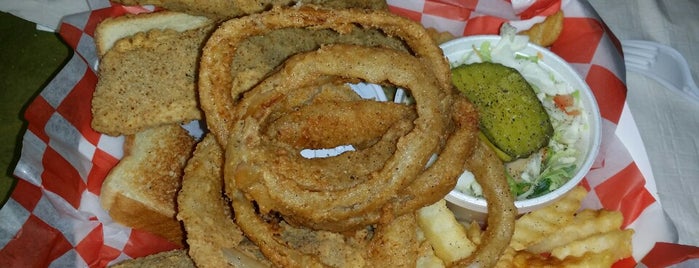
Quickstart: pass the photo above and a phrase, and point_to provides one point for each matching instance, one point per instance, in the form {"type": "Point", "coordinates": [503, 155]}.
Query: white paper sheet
{"type": "Point", "coordinates": [668, 123]}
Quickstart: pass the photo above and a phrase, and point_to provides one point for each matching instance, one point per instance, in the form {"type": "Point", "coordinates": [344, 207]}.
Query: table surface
{"type": "Point", "coordinates": [29, 58]}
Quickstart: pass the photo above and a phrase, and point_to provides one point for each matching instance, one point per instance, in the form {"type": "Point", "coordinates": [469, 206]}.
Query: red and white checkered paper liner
{"type": "Point", "coordinates": [53, 217]}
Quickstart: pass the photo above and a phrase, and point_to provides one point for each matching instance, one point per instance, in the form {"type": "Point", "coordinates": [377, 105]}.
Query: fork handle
{"type": "Point", "coordinates": [661, 64]}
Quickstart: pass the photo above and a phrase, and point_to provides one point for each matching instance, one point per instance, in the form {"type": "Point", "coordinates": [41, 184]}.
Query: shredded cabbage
{"type": "Point", "coordinates": [555, 164]}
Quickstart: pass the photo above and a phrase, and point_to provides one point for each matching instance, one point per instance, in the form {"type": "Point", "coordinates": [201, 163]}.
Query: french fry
{"type": "Point", "coordinates": [531, 260]}
{"type": "Point", "coordinates": [426, 257]}
{"type": "Point", "coordinates": [585, 224]}
{"type": "Point", "coordinates": [588, 238]}
{"type": "Point", "coordinates": [586, 214]}
{"type": "Point", "coordinates": [507, 258]}
{"type": "Point", "coordinates": [447, 236]}
{"type": "Point", "coordinates": [558, 235]}
{"type": "Point", "coordinates": [474, 232]}
{"type": "Point", "coordinates": [538, 224]}
{"type": "Point", "coordinates": [547, 31]}
{"type": "Point", "coordinates": [616, 241]}
{"type": "Point", "coordinates": [601, 259]}
{"type": "Point", "coordinates": [528, 259]}
{"type": "Point", "coordinates": [439, 36]}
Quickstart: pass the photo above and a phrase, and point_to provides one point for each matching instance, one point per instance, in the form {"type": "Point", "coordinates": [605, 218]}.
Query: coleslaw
{"type": "Point", "coordinates": [556, 163]}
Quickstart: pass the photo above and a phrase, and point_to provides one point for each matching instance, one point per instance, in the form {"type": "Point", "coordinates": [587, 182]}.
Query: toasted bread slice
{"type": "Point", "coordinates": [112, 29]}
{"type": "Point", "coordinates": [140, 191]}
{"type": "Point", "coordinates": [149, 78]}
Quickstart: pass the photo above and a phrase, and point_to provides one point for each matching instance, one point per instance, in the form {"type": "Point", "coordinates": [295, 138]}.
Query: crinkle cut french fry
{"type": "Point", "coordinates": [601, 259]}
{"type": "Point", "coordinates": [527, 259]}
{"type": "Point", "coordinates": [587, 238]}
{"type": "Point", "coordinates": [617, 241]}
{"type": "Point", "coordinates": [536, 225]}
{"type": "Point", "coordinates": [585, 224]}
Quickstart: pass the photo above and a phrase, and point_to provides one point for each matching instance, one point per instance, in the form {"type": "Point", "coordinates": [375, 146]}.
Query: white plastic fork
{"type": "Point", "coordinates": [661, 63]}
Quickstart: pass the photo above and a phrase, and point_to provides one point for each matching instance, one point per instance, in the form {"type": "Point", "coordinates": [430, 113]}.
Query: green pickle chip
{"type": "Point", "coordinates": [511, 116]}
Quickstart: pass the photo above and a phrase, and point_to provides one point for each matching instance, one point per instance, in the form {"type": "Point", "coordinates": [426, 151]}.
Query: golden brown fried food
{"type": "Point", "coordinates": [439, 36]}
{"type": "Point", "coordinates": [487, 168]}
{"type": "Point", "coordinates": [212, 231]}
{"type": "Point", "coordinates": [377, 66]}
{"type": "Point", "coordinates": [332, 123]}
{"type": "Point", "coordinates": [274, 208]}
{"type": "Point", "coordinates": [471, 247]}
{"type": "Point", "coordinates": [332, 173]}
{"type": "Point", "coordinates": [110, 30]}
{"type": "Point", "coordinates": [546, 32]}
{"type": "Point", "coordinates": [206, 214]}
{"type": "Point", "coordinates": [432, 184]}
{"type": "Point", "coordinates": [169, 259]}
{"type": "Point", "coordinates": [559, 235]}
{"type": "Point", "coordinates": [226, 9]}
{"type": "Point", "coordinates": [547, 220]}
{"type": "Point", "coordinates": [256, 56]}
{"type": "Point", "coordinates": [448, 238]}
{"type": "Point", "coordinates": [148, 80]}
{"type": "Point", "coordinates": [220, 53]}
{"type": "Point", "coordinates": [458, 246]}
{"type": "Point", "coordinates": [393, 242]}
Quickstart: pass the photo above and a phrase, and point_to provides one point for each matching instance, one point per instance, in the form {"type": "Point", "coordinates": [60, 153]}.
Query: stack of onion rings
{"type": "Point", "coordinates": [216, 92]}
{"type": "Point", "coordinates": [278, 196]}
{"type": "Point", "coordinates": [325, 210]}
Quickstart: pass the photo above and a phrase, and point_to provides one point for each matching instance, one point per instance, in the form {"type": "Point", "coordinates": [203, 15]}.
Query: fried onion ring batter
{"type": "Point", "coordinates": [332, 123]}
{"type": "Point", "coordinates": [285, 203]}
{"type": "Point", "coordinates": [487, 168]}
{"type": "Point", "coordinates": [205, 214]}
{"type": "Point", "coordinates": [217, 93]}
{"type": "Point", "coordinates": [412, 150]}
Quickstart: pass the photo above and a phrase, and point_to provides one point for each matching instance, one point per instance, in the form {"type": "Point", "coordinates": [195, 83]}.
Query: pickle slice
{"type": "Point", "coordinates": [511, 116]}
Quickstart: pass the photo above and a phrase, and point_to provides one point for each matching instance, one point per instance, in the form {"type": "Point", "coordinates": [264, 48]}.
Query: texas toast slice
{"type": "Point", "coordinates": [140, 191]}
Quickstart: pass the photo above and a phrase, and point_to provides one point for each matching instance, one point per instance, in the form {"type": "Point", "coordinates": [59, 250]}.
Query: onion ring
{"type": "Point", "coordinates": [257, 56]}
{"type": "Point", "coordinates": [217, 94]}
{"type": "Point", "coordinates": [394, 241]}
{"type": "Point", "coordinates": [488, 171]}
{"type": "Point", "coordinates": [263, 188]}
{"type": "Point", "coordinates": [375, 142]}
{"type": "Point", "coordinates": [412, 153]}
{"type": "Point", "coordinates": [205, 213]}
{"type": "Point", "coordinates": [331, 173]}
{"type": "Point", "coordinates": [433, 182]}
